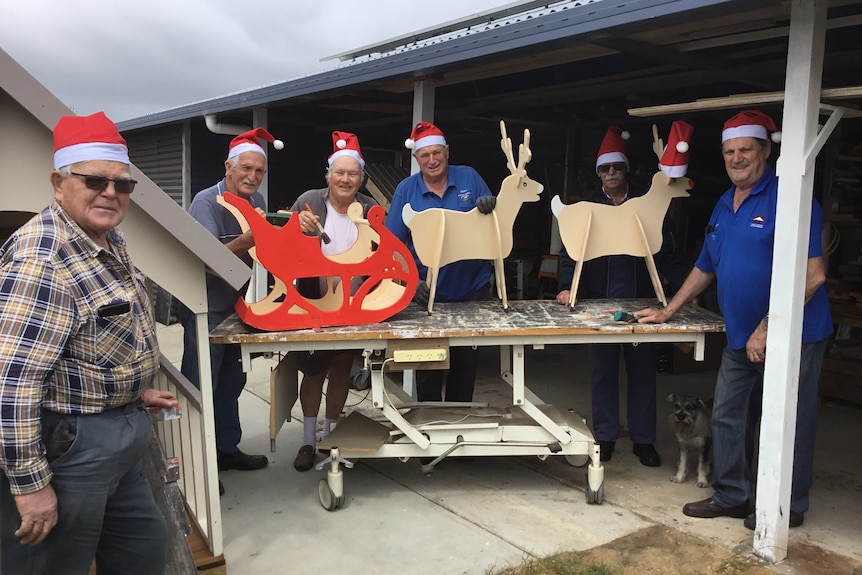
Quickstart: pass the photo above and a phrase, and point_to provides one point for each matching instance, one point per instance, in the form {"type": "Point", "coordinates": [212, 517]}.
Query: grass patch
{"type": "Point", "coordinates": [562, 564]}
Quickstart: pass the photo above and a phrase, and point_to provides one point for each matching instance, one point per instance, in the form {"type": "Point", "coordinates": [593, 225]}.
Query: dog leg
{"type": "Point", "coordinates": [682, 467]}
{"type": "Point", "coordinates": [704, 466]}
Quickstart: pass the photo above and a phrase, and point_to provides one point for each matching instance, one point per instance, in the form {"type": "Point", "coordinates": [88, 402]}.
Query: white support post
{"type": "Point", "coordinates": [205, 378]}
{"type": "Point", "coordinates": [257, 288]}
{"type": "Point", "coordinates": [423, 109]}
{"type": "Point", "coordinates": [778, 423]}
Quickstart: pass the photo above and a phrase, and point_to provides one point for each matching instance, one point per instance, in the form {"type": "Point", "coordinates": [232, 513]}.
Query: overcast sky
{"type": "Point", "coordinates": [135, 57]}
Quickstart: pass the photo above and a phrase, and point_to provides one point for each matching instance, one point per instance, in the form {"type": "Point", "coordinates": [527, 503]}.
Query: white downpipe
{"type": "Point", "coordinates": [228, 129]}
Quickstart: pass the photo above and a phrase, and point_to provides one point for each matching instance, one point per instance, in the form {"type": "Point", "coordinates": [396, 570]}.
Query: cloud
{"type": "Point", "coordinates": [136, 58]}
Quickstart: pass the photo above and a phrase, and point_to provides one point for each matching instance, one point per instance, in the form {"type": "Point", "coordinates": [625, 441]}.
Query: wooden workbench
{"type": "Point", "coordinates": [434, 431]}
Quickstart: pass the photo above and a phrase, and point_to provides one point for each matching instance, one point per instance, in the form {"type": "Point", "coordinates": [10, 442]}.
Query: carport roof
{"type": "Point", "coordinates": [563, 63]}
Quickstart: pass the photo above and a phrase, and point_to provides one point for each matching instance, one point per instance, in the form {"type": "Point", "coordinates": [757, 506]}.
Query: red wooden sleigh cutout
{"type": "Point", "coordinates": [288, 254]}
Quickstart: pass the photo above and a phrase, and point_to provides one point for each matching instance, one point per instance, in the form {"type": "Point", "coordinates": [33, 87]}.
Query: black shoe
{"type": "Point", "coordinates": [796, 519]}
{"type": "Point", "coordinates": [241, 461]}
{"type": "Point", "coordinates": [304, 458]}
{"type": "Point", "coordinates": [606, 449]}
{"type": "Point", "coordinates": [647, 454]}
{"type": "Point", "coordinates": [708, 509]}
{"type": "Point", "coordinates": [220, 487]}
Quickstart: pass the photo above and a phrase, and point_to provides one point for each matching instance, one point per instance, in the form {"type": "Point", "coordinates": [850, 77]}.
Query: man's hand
{"type": "Point", "coordinates": [755, 347]}
{"type": "Point", "coordinates": [38, 511]}
{"type": "Point", "coordinates": [422, 295]}
{"type": "Point", "coordinates": [563, 297]}
{"type": "Point", "coordinates": [157, 399]}
{"type": "Point", "coordinates": [486, 204]}
{"type": "Point", "coordinates": [651, 315]}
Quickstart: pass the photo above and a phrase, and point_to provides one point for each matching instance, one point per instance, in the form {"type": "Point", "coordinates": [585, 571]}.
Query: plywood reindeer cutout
{"type": "Point", "coordinates": [288, 254]}
{"type": "Point", "coordinates": [442, 236]}
{"type": "Point", "coordinates": [590, 230]}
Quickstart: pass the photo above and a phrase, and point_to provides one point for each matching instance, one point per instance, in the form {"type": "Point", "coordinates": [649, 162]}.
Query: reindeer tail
{"type": "Point", "coordinates": [407, 214]}
{"type": "Point", "coordinates": [557, 206]}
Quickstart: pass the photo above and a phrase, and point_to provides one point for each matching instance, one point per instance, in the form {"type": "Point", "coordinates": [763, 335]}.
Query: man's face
{"type": "Point", "coordinates": [613, 176]}
{"type": "Point", "coordinates": [745, 160]}
{"type": "Point", "coordinates": [345, 177]}
{"type": "Point", "coordinates": [433, 160]}
{"type": "Point", "coordinates": [245, 177]}
{"type": "Point", "coordinates": [96, 212]}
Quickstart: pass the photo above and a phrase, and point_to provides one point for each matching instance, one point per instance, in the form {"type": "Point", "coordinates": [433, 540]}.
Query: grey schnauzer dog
{"type": "Point", "coordinates": [692, 421]}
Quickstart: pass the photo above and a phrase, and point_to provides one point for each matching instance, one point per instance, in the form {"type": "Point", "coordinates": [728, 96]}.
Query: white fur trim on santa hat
{"type": "Point", "coordinates": [90, 151]}
{"type": "Point", "coordinates": [245, 147]}
{"type": "Point", "coordinates": [352, 153]}
{"type": "Point", "coordinates": [747, 131]}
{"type": "Point", "coordinates": [673, 171]}
{"type": "Point", "coordinates": [428, 141]}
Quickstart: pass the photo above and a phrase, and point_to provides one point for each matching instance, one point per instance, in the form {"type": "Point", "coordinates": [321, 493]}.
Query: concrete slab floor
{"type": "Point", "coordinates": [487, 513]}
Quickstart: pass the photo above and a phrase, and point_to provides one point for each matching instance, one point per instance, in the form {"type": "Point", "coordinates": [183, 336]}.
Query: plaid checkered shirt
{"type": "Point", "coordinates": [56, 351]}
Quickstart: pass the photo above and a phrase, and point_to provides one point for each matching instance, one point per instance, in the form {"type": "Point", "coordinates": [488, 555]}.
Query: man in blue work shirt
{"type": "Point", "coordinates": [737, 251]}
{"type": "Point", "coordinates": [439, 185]}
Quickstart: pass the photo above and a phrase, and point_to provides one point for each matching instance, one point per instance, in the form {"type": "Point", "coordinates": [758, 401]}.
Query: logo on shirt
{"type": "Point", "coordinates": [758, 221]}
{"type": "Point", "coordinates": [464, 195]}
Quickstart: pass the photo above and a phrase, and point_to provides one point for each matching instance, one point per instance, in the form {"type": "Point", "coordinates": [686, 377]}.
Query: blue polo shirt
{"type": "Point", "coordinates": [457, 280]}
{"type": "Point", "coordinates": [738, 249]}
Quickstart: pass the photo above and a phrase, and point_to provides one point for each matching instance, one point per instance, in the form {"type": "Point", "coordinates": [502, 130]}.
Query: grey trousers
{"type": "Point", "coordinates": [105, 506]}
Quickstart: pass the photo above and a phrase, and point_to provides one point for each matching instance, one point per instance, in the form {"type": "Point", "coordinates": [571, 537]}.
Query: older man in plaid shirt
{"type": "Point", "coordinates": [78, 352]}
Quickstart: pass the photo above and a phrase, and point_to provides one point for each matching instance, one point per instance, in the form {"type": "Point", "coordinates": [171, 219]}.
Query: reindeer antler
{"type": "Point", "coordinates": [506, 144]}
{"type": "Point", "coordinates": [658, 143]}
{"type": "Point", "coordinates": [524, 152]}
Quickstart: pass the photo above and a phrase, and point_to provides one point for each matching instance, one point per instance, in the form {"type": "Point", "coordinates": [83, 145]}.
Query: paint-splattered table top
{"type": "Point", "coordinates": [486, 323]}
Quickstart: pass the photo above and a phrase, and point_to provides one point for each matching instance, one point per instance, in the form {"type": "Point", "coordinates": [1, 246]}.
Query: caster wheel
{"type": "Point", "coordinates": [327, 498]}
{"type": "Point", "coordinates": [361, 381]}
{"type": "Point", "coordinates": [577, 460]}
{"type": "Point", "coordinates": [594, 497]}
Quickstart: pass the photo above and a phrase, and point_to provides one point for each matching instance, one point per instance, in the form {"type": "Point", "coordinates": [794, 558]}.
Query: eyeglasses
{"type": "Point", "coordinates": [100, 183]}
{"type": "Point", "coordinates": [617, 166]}
{"type": "Point", "coordinates": [351, 175]}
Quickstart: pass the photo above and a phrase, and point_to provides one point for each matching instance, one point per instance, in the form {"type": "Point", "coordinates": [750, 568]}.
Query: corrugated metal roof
{"type": "Point", "coordinates": [536, 26]}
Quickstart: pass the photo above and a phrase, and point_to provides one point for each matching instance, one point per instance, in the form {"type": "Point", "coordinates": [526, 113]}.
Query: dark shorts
{"type": "Point", "coordinates": [318, 362]}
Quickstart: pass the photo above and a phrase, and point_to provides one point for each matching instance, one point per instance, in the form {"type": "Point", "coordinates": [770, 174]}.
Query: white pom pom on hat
{"type": "Point", "coordinates": [340, 144]}
{"type": "Point", "coordinates": [409, 143]}
{"type": "Point", "coordinates": [682, 147]}
{"type": "Point", "coordinates": [625, 135]}
{"type": "Point", "coordinates": [278, 145]}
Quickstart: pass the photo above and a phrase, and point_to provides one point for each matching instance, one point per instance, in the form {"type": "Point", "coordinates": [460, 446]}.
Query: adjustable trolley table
{"type": "Point", "coordinates": [414, 340]}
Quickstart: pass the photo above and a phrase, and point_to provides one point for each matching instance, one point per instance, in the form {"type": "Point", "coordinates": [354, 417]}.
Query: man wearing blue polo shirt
{"type": "Point", "coordinates": [738, 252]}
{"type": "Point", "coordinates": [439, 185]}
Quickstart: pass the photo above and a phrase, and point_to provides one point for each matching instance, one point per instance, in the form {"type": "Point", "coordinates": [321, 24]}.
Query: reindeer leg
{"type": "Point", "coordinates": [499, 271]}
{"type": "Point", "coordinates": [579, 265]}
{"type": "Point", "coordinates": [650, 262]}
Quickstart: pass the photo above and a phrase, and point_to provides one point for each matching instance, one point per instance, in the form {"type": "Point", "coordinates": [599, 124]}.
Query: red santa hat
{"type": "Point", "coordinates": [751, 124]}
{"type": "Point", "coordinates": [346, 144]}
{"type": "Point", "coordinates": [84, 138]}
{"type": "Point", "coordinates": [613, 148]}
{"type": "Point", "coordinates": [424, 134]}
{"type": "Point", "coordinates": [247, 142]}
{"type": "Point", "coordinates": [674, 160]}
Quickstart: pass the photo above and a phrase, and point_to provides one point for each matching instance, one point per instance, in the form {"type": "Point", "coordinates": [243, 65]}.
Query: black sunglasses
{"type": "Point", "coordinates": [100, 183]}
{"type": "Point", "coordinates": [617, 166]}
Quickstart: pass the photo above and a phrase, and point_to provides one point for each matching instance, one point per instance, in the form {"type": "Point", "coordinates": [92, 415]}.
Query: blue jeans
{"type": "Point", "coordinates": [640, 363]}
{"type": "Point", "coordinates": [735, 416]}
{"type": "Point", "coordinates": [104, 503]}
{"type": "Point", "coordinates": [228, 381]}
